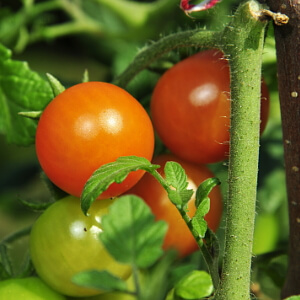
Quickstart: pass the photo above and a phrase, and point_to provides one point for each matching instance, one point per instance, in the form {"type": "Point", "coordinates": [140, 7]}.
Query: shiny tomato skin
{"type": "Point", "coordinates": [178, 235]}
{"type": "Point", "coordinates": [86, 126]}
{"type": "Point", "coordinates": [190, 107]}
{"type": "Point", "coordinates": [64, 242]}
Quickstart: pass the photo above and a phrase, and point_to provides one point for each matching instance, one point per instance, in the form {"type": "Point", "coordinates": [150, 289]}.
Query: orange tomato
{"type": "Point", "coordinates": [86, 126]}
{"type": "Point", "coordinates": [190, 107]}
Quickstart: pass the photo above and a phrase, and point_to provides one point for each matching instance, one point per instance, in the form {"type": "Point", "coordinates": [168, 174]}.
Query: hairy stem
{"type": "Point", "coordinates": [209, 259]}
{"type": "Point", "coordinates": [148, 55]}
{"type": "Point", "coordinates": [243, 40]}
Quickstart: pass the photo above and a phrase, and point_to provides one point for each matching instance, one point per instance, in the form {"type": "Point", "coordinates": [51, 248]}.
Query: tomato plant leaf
{"type": "Point", "coordinates": [205, 188]}
{"type": "Point", "coordinates": [116, 171]}
{"type": "Point", "coordinates": [198, 221]}
{"type": "Point", "coordinates": [100, 280]}
{"type": "Point", "coordinates": [175, 175]}
{"type": "Point", "coordinates": [177, 178]}
{"type": "Point", "coordinates": [21, 90]}
{"type": "Point", "coordinates": [156, 281]}
{"type": "Point", "coordinates": [195, 285]}
{"type": "Point", "coordinates": [131, 234]}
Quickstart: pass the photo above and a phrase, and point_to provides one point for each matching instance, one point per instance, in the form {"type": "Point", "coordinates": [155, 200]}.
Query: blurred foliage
{"type": "Point", "coordinates": [65, 37]}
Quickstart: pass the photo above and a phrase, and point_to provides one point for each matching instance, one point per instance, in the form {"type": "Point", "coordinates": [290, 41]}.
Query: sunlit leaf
{"type": "Point", "coordinates": [21, 90]}
{"type": "Point", "coordinates": [195, 285]}
{"type": "Point", "coordinates": [131, 234]}
{"type": "Point", "coordinates": [116, 171]}
{"type": "Point", "coordinates": [100, 280]}
{"type": "Point", "coordinates": [205, 188]}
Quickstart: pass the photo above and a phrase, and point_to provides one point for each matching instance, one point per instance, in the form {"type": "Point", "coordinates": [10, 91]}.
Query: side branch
{"type": "Point", "coordinates": [192, 38]}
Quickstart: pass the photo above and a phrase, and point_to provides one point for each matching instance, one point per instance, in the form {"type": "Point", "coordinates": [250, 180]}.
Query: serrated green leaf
{"type": "Point", "coordinates": [186, 195]}
{"type": "Point", "coordinates": [130, 233]}
{"type": "Point", "coordinates": [100, 280]}
{"type": "Point", "coordinates": [195, 285]}
{"type": "Point", "coordinates": [180, 198]}
{"type": "Point", "coordinates": [175, 197]}
{"type": "Point", "coordinates": [175, 175]}
{"type": "Point", "coordinates": [21, 90]}
{"type": "Point", "coordinates": [205, 188]}
{"type": "Point", "coordinates": [198, 222]}
{"type": "Point", "coordinates": [177, 179]}
{"type": "Point", "coordinates": [156, 279]}
{"type": "Point", "coordinates": [116, 171]}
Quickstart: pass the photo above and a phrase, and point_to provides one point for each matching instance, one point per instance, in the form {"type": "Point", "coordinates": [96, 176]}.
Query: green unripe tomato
{"type": "Point", "coordinates": [30, 288]}
{"type": "Point", "coordinates": [64, 242]}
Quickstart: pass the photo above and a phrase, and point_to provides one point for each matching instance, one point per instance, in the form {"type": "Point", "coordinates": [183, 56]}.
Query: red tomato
{"type": "Point", "coordinates": [86, 126]}
{"type": "Point", "coordinates": [178, 235]}
{"type": "Point", "coordinates": [190, 107]}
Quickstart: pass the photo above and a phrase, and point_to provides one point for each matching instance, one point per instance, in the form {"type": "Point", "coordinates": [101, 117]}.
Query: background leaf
{"type": "Point", "coordinates": [130, 233]}
{"type": "Point", "coordinates": [100, 280]}
{"type": "Point", "coordinates": [195, 285]}
{"type": "Point", "coordinates": [21, 90]}
{"type": "Point", "coordinates": [116, 171]}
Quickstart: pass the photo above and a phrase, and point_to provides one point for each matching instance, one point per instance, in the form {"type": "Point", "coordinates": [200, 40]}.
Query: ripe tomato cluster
{"type": "Point", "coordinates": [94, 123]}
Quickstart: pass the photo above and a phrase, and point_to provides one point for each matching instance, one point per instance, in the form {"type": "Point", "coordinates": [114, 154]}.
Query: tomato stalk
{"type": "Point", "coordinates": [209, 259]}
{"type": "Point", "coordinates": [242, 44]}
{"type": "Point", "coordinates": [191, 38]}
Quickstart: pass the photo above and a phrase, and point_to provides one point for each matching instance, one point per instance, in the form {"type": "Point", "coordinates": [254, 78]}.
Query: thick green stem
{"type": "Point", "coordinates": [243, 41]}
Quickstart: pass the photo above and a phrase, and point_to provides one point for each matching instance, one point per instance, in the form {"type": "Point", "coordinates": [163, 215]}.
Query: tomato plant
{"type": "Point", "coordinates": [178, 235]}
{"type": "Point", "coordinates": [86, 126]}
{"type": "Point", "coordinates": [190, 107]}
{"type": "Point", "coordinates": [29, 288]}
{"type": "Point", "coordinates": [64, 241]}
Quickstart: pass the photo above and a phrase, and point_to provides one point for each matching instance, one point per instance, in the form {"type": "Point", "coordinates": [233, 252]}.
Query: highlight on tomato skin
{"type": "Point", "coordinates": [86, 126]}
{"type": "Point", "coordinates": [190, 107]}
{"type": "Point", "coordinates": [178, 235]}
